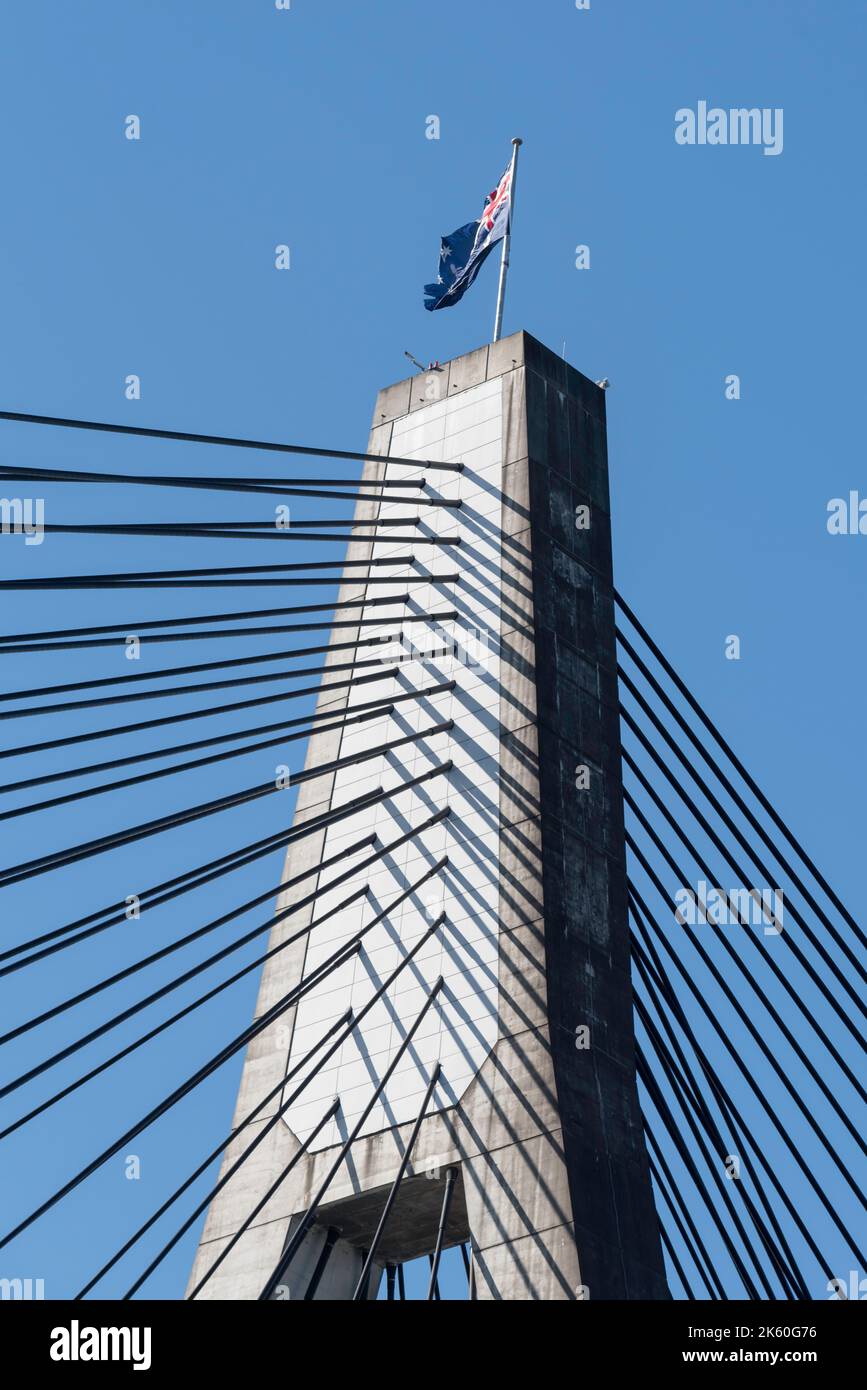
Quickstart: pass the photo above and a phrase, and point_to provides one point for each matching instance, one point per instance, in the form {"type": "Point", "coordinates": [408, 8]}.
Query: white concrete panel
{"type": "Point", "coordinates": [461, 1027]}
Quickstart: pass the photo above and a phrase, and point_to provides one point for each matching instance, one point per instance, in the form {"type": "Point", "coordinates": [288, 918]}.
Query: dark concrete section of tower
{"type": "Point", "coordinates": [583, 850]}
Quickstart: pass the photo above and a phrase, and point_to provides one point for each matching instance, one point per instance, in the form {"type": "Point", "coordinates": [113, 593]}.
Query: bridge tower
{"type": "Point", "coordinates": [498, 951]}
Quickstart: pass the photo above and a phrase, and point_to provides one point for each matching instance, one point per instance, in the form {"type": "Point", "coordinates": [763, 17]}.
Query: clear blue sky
{"type": "Point", "coordinates": [307, 127]}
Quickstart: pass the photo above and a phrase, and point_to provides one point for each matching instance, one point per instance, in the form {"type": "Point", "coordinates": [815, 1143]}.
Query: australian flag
{"type": "Point", "coordinates": [463, 252]}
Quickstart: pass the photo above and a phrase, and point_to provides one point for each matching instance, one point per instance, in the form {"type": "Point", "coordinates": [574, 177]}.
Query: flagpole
{"type": "Point", "coordinates": [507, 242]}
